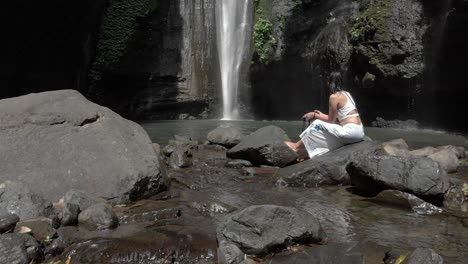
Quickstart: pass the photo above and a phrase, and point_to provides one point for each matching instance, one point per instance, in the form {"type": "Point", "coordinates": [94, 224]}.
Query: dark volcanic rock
{"type": "Point", "coordinates": [179, 159]}
{"type": "Point", "coordinates": [58, 141]}
{"type": "Point", "coordinates": [16, 198]}
{"type": "Point", "coordinates": [407, 124]}
{"type": "Point", "coordinates": [423, 256]}
{"type": "Point", "coordinates": [225, 136]}
{"type": "Point", "coordinates": [8, 222]}
{"type": "Point", "coordinates": [262, 229]}
{"type": "Point", "coordinates": [420, 176]}
{"type": "Point", "coordinates": [98, 217]}
{"type": "Point", "coordinates": [70, 214]}
{"type": "Point", "coordinates": [407, 200]}
{"type": "Point", "coordinates": [19, 249]}
{"type": "Point", "coordinates": [265, 147]}
{"type": "Point", "coordinates": [328, 169]}
{"type": "Point", "coordinates": [82, 199]}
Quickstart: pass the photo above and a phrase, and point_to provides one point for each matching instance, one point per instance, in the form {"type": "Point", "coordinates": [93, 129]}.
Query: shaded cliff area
{"type": "Point", "coordinates": [158, 59]}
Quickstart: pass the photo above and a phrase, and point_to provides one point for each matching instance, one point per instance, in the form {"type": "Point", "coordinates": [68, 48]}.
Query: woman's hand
{"type": "Point", "coordinates": [317, 112]}
{"type": "Point", "coordinates": [309, 116]}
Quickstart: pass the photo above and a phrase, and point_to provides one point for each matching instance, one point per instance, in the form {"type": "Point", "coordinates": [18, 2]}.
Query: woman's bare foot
{"type": "Point", "coordinates": [292, 146]}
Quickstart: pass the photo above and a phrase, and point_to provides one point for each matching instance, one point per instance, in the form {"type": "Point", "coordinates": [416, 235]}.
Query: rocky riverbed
{"type": "Point", "coordinates": [236, 197]}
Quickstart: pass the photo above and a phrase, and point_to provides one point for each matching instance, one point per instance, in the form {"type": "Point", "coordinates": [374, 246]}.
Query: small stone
{"type": "Point", "coordinates": [238, 163]}
{"type": "Point", "coordinates": [98, 217]}
{"type": "Point", "coordinates": [41, 227]}
{"type": "Point", "coordinates": [70, 214]}
{"type": "Point", "coordinates": [179, 159]}
{"type": "Point", "coordinates": [82, 199]}
{"type": "Point", "coordinates": [8, 222]}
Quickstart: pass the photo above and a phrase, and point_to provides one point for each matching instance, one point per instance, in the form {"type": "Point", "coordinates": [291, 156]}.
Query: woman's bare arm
{"type": "Point", "coordinates": [332, 111]}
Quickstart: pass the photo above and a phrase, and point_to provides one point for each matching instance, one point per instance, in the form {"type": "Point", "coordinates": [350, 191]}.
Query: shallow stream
{"type": "Point", "coordinates": [179, 225]}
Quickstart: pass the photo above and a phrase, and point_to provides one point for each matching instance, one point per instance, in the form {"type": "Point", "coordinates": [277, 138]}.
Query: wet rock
{"type": "Point", "coordinates": [183, 143]}
{"type": "Point", "coordinates": [19, 249]}
{"type": "Point", "coordinates": [262, 229]}
{"type": "Point", "coordinates": [18, 199]}
{"type": "Point", "coordinates": [446, 156]}
{"type": "Point", "coordinates": [238, 163]}
{"type": "Point", "coordinates": [455, 200]}
{"type": "Point", "coordinates": [59, 141]}
{"type": "Point", "coordinates": [423, 256]}
{"type": "Point", "coordinates": [212, 208]}
{"type": "Point", "coordinates": [457, 150]}
{"type": "Point", "coordinates": [209, 155]}
{"type": "Point", "coordinates": [229, 253]}
{"type": "Point", "coordinates": [397, 147]}
{"type": "Point", "coordinates": [265, 147]}
{"type": "Point", "coordinates": [447, 159]}
{"type": "Point", "coordinates": [179, 159]}
{"type": "Point", "coordinates": [423, 152]}
{"type": "Point", "coordinates": [407, 124]}
{"type": "Point", "coordinates": [333, 253]}
{"type": "Point", "coordinates": [368, 81]}
{"type": "Point", "coordinates": [225, 136]}
{"type": "Point", "coordinates": [42, 228]}
{"type": "Point", "coordinates": [56, 247]}
{"type": "Point", "coordinates": [98, 217]}
{"type": "Point", "coordinates": [83, 199]}
{"type": "Point", "coordinates": [420, 176]}
{"type": "Point", "coordinates": [328, 169]}
{"type": "Point", "coordinates": [465, 222]}
{"type": "Point", "coordinates": [8, 222]}
{"type": "Point", "coordinates": [408, 201]}
{"type": "Point", "coordinates": [70, 214]}
{"type": "Point", "coordinates": [395, 256]}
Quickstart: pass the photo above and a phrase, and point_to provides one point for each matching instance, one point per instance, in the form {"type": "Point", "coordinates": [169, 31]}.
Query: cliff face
{"type": "Point", "coordinates": [167, 61]}
{"type": "Point", "coordinates": [389, 50]}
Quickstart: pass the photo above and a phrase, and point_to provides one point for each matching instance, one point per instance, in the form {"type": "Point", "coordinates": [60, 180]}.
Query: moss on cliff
{"type": "Point", "coordinates": [264, 41]}
{"type": "Point", "coordinates": [118, 25]}
{"type": "Point", "coordinates": [372, 25]}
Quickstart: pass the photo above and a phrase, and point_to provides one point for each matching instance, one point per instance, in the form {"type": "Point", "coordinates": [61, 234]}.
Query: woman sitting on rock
{"type": "Point", "coordinates": [341, 126]}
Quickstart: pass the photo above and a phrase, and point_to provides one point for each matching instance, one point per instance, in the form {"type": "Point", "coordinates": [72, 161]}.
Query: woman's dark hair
{"type": "Point", "coordinates": [335, 82]}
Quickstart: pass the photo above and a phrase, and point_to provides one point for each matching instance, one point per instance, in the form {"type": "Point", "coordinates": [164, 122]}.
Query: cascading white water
{"type": "Point", "coordinates": [233, 36]}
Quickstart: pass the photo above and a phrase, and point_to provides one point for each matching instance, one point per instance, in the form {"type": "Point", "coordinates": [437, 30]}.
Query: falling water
{"type": "Point", "coordinates": [233, 28]}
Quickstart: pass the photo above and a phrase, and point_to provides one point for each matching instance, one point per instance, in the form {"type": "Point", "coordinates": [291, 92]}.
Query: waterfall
{"type": "Point", "coordinates": [233, 36]}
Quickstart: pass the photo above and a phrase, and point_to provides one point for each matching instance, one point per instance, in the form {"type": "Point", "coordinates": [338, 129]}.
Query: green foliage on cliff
{"type": "Point", "coordinates": [118, 25]}
{"type": "Point", "coordinates": [264, 41]}
{"type": "Point", "coordinates": [372, 25]}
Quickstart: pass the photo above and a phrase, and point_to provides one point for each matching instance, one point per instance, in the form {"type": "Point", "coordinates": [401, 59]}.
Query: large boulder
{"type": "Point", "coordinates": [265, 147]}
{"type": "Point", "coordinates": [421, 176]}
{"type": "Point", "coordinates": [225, 136]}
{"type": "Point", "coordinates": [328, 169]}
{"type": "Point", "coordinates": [259, 230]}
{"type": "Point", "coordinates": [446, 156]}
{"type": "Point", "coordinates": [396, 147]}
{"type": "Point", "coordinates": [58, 140]}
{"type": "Point", "coordinates": [16, 198]}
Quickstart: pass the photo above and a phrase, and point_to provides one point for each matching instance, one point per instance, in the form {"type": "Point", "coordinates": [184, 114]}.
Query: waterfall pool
{"type": "Point", "coordinates": [161, 131]}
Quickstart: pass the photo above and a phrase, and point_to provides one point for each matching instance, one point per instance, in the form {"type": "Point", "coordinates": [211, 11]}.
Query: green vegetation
{"type": "Point", "coordinates": [264, 41]}
{"type": "Point", "coordinates": [372, 25]}
{"type": "Point", "coordinates": [118, 25]}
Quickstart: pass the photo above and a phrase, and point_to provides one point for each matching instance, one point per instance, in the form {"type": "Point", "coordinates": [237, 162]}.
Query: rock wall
{"type": "Point", "coordinates": [390, 52]}
{"type": "Point", "coordinates": [167, 63]}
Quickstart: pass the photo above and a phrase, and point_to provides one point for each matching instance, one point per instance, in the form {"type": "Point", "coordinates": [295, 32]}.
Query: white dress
{"type": "Point", "coordinates": [321, 137]}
